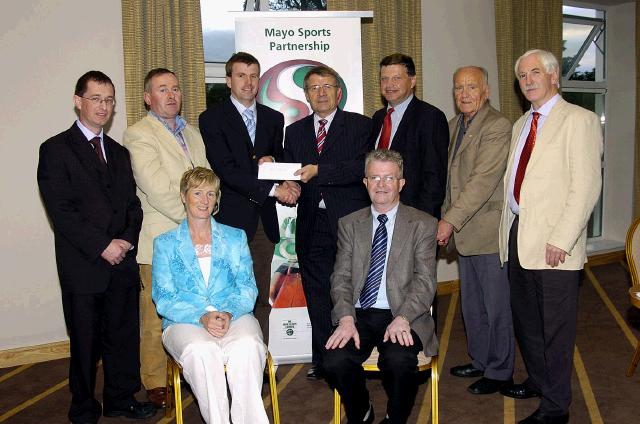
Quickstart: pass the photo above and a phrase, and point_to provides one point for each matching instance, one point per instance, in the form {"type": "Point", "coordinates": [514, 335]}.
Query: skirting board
{"type": "Point", "coordinates": [32, 354]}
{"type": "Point", "coordinates": [58, 350]}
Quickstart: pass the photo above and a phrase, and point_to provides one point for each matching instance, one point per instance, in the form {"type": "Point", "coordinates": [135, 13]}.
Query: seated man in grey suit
{"type": "Point", "coordinates": [382, 287]}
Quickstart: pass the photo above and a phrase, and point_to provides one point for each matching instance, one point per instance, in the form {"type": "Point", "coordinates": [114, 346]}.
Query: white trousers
{"type": "Point", "coordinates": [203, 357]}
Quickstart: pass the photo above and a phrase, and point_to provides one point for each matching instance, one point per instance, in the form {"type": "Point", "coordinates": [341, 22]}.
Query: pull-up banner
{"type": "Point", "coordinates": [287, 45]}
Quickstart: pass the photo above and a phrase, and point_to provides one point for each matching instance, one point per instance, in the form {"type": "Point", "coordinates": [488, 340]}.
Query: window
{"type": "Point", "coordinates": [583, 74]}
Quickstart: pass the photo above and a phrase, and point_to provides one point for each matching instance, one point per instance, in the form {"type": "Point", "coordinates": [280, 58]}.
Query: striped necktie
{"type": "Point", "coordinates": [369, 292]}
{"type": "Point", "coordinates": [322, 134]}
{"type": "Point", "coordinates": [250, 122]}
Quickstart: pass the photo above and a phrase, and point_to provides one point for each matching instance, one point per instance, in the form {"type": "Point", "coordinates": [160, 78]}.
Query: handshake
{"type": "Point", "coordinates": [288, 192]}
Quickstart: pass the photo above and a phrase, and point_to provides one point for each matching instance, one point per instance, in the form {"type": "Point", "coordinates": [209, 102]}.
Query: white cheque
{"type": "Point", "coordinates": [278, 171]}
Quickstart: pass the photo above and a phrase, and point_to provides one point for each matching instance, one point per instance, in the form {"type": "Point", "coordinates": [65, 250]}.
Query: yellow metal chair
{"type": "Point", "coordinates": [424, 363]}
{"type": "Point", "coordinates": [632, 249]}
{"type": "Point", "coordinates": [174, 395]}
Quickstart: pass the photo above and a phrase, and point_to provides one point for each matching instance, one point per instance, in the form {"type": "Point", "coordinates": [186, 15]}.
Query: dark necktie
{"type": "Point", "coordinates": [525, 156]}
{"type": "Point", "coordinates": [369, 292]}
{"type": "Point", "coordinates": [97, 147]}
{"type": "Point", "coordinates": [322, 134]}
{"type": "Point", "coordinates": [385, 134]}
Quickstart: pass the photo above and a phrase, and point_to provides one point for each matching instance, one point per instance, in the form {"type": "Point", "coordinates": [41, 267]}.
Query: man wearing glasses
{"type": "Point", "coordinates": [88, 191]}
{"type": "Point", "coordinates": [382, 287]}
{"type": "Point", "coordinates": [331, 145]}
{"type": "Point", "coordinates": [162, 146]}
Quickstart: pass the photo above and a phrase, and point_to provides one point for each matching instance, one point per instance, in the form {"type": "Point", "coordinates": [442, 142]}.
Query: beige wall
{"type": "Point", "coordinates": [620, 115]}
{"type": "Point", "coordinates": [45, 46]}
{"type": "Point", "coordinates": [456, 33]}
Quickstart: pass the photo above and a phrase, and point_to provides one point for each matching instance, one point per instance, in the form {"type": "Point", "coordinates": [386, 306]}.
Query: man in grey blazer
{"type": "Point", "coordinates": [382, 288]}
{"type": "Point", "coordinates": [473, 203]}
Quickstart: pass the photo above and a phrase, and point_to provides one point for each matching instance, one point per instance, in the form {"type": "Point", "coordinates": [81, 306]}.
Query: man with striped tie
{"type": "Point", "coordinates": [331, 145]}
{"type": "Point", "coordinates": [382, 287]}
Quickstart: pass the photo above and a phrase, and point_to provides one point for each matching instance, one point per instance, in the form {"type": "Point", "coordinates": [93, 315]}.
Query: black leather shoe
{"type": "Point", "coordinates": [539, 418]}
{"type": "Point", "coordinates": [519, 391]}
{"type": "Point", "coordinates": [486, 386]}
{"type": "Point", "coordinates": [136, 410]}
{"type": "Point", "coordinates": [467, 370]}
{"type": "Point", "coordinates": [315, 373]}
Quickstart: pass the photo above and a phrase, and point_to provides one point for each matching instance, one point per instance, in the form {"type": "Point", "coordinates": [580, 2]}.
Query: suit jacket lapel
{"type": "Point", "coordinates": [407, 119]}
{"type": "Point", "coordinates": [310, 132]}
{"type": "Point", "coordinates": [237, 124]}
{"type": "Point", "coordinates": [364, 238]}
{"type": "Point", "coordinates": [399, 237]}
{"type": "Point", "coordinates": [550, 127]}
{"type": "Point", "coordinates": [217, 247]}
{"type": "Point", "coordinates": [87, 156]}
{"type": "Point", "coordinates": [472, 131]}
{"type": "Point", "coordinates": [188, 255]}
{"type": "Point", "coordinates": [335, 131]}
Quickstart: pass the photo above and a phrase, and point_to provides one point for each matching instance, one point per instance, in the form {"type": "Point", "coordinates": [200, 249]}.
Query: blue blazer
{"type": "Point", "coordinates": [179, 290]}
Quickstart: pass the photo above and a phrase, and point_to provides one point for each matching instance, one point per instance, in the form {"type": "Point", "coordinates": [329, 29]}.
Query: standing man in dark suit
{"type": "Point", "coordinates": [331, 145]}
{"type": "Point", "coordinates": [416, 130]}
{"type": "Point", "coordinates": [240, 134]}
{"type": "Point", "coordinates": [382, 287]}
{"type": "Point", "coordinates": [88, 190]}
{"type": "Point", "coordinates": [551, 185]}
{"type": "Point", "coordinates": [478, 151]}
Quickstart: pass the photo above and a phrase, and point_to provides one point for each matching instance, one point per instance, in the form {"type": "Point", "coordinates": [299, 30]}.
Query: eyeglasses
{"type": "Point", "coordinates": [97, 101]}
{"type": "Point", "coordinates": [386, 179]}
{"type": "Point", "coordinates": [316, 88]}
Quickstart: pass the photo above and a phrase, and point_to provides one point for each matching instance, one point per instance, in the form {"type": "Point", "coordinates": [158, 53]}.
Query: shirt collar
{"type": "Point", "coordinates": [241, 108]}
{"type": "Point", "coordinates": [88, 133]}
{"type": "Point", "coordinates": [391, 214]}
{"type": "Point", "coordinates": [181, 123]}
{"type": "Point", "coordinates": [545, 109]}
{"type": "Point", "coordinates": [329, 118]}
{"type": "Point", "coordinates": [402, 106]}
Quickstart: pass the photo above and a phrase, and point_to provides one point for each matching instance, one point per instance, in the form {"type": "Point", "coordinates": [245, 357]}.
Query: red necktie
{"type": "Point", "coordinates": [525, 156]}
{"type": "Point", "coordinates": [95, 141]}
{"type": "Point", "coordinates": [385, 134]}
{"type": "Point", "coordinates": [322, 134]}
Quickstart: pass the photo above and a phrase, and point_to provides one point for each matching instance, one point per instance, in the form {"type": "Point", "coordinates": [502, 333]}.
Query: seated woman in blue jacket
{"type": "Point", "coordinates": [204, 289]}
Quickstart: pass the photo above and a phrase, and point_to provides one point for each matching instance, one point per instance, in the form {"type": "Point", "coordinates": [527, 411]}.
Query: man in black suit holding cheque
{"type": "Point", "coordinates": [331, 145]}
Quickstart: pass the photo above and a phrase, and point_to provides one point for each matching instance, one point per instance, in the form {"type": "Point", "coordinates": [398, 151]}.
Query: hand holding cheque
{"type": "Point", "coordinates": [289, 191]}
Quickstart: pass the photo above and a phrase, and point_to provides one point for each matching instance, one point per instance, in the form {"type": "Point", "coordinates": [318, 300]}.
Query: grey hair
{"type": "Point", "coordinates": [485, 74]}
{"type": "Point", "coordinates": [547, 58]}
{"type": "Point", "coordinates": [384, 155]}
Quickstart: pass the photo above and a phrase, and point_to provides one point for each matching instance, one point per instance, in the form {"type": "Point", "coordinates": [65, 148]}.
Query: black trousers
{"type": "Point", "coordinates": [261, 249]}
{"type": "Point", "coordinates": [545, 311]}
{"type": "Point", "coordinates": [397, 365]}
{"type": "Point", "coordinates": [103, 325]}
{"type": "Point", "coordinates": [316, 265]}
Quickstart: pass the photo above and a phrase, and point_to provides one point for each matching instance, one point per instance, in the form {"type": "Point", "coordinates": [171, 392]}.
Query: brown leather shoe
{"type": "Point", "coordinates": [158, 397]}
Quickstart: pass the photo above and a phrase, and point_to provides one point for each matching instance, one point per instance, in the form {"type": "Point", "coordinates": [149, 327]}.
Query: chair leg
{"type": "Point", "coordinates": [274, 389]}
{"type": "Point", "coordinates": [337, 404]}
{"type": "Point", "coordinates": [168, 411]}
{"type": "Point", "coordinates": [177, 393]}
{"type": "Point", "coordinates": [634, 361]}
{"type": "Point", "coordinates": [434, 390]}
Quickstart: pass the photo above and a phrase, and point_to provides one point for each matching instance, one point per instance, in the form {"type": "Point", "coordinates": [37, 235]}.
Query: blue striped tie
{"type": "Point", "coordinates": [369, 292]}
{"type": "Point", "coordinates": [247, 116]}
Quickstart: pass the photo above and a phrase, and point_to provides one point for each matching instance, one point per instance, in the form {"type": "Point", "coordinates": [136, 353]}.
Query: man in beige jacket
{"type": "Point", "coordinates": [471, 214]}
{"type": "Point", "coordinates": [162, 147]}
{"type": "Point", "coordinates": [552, 183]}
